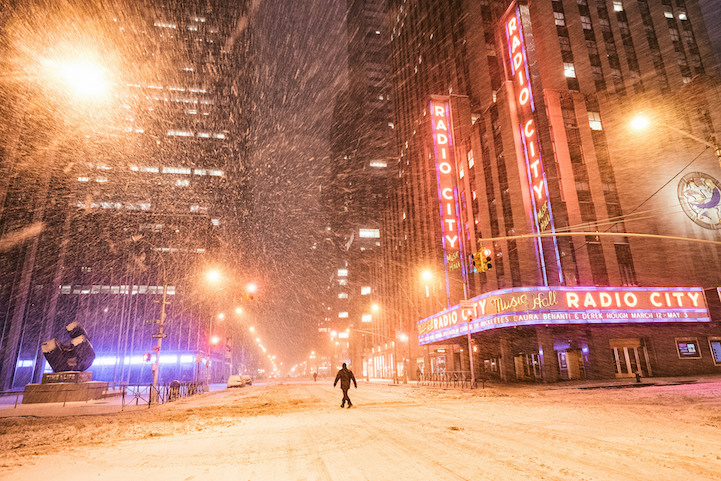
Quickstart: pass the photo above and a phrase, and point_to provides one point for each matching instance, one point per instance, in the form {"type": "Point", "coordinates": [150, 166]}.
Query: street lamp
{"type": "Point", "coordinates": [159, 335]}
{"type": "Point", "coordinates": [642, 122]}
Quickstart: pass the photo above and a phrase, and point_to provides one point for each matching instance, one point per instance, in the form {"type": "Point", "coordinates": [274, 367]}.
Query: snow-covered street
{"type": "Point", "coordinates": [297, 431]}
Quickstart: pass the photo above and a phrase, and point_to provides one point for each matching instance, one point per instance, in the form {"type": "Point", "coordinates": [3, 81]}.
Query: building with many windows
{"type": "Point", "coordinates": [515, 124]}
{"type": "Point", "coordinates": [131, 195]}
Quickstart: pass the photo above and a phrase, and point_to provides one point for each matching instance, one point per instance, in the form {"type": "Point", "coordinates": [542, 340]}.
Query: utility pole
{"type": "Point", "coordinates": [159, 335]}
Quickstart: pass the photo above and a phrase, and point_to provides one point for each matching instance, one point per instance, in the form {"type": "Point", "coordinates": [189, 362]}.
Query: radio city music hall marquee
{"type": "Point", "coordinates": [440, 114]}
{"type": "Point", "coordinates": [566, 305]}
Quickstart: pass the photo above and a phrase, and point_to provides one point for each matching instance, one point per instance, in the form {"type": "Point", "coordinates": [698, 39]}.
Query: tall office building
{"type": "Point", "coordinates": [362, 165]}
{"type": "Point", "coordinates": [134, 194]}
{"type": "Point", "coordinates": [514, 123]}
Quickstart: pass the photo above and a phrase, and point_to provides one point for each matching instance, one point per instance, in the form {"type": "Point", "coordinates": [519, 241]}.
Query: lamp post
{"type": "Point", "coordinates": [641, 122]}
{"type": "Point", "coordinates": [159, 334]}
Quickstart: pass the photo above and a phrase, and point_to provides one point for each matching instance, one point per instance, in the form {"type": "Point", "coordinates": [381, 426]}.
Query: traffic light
{"type": "Point", "coordinates": [486, 261]}
{"type": "Point", "coordinates": [475, 262]}
{"type": "Point", "coordinates": [147, 356]}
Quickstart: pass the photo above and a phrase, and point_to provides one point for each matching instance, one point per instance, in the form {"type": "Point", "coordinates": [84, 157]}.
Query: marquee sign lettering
{"type": "Point", "coordinates": [566, 305]}
{"type": "Point", "coordinates": [517, 66]}
{"type": "Point", "coordinates": [440, 115]}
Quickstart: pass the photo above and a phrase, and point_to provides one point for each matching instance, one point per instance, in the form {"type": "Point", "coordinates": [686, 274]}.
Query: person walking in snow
{"type": "Point", "coordinates": [345, 376]}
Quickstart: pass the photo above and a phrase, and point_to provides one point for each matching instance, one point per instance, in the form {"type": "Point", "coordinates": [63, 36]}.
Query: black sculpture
{"type": "Point", "coordinates": [76, 356]}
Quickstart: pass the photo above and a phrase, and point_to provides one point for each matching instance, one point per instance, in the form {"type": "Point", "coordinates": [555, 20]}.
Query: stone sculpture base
{"type": "Point", "coordinates": [64, 386]}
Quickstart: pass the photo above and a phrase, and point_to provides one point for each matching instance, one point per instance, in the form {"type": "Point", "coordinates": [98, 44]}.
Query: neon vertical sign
{"type": "Point", "coordinates": [443, 146]}
{"type": "Point", "coordinates": [538, 186]}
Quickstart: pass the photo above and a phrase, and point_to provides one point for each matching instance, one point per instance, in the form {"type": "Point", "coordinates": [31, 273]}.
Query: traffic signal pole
{"type": "Point", "coordinates": [161, 322]}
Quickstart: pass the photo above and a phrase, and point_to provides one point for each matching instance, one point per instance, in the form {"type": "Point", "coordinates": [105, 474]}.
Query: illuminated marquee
{"type": "Point", "coordinates": [440, 114]}
{"type": "Point", "coordinates": [566, 305]}
{"type": "Point", "coordinates": [517, 63]}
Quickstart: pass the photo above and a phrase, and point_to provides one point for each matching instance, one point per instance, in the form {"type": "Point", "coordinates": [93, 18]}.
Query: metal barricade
{"type": "Point", "coordinates": [164, 393]}
{"type": "Point", "coordinates": [447, 379]}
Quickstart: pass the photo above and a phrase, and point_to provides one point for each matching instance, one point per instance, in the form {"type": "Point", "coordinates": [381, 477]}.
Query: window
{"type": "Point", "coordinates": [586, 23]}
{"type": "Point", "coordinates": [560, 19]}
{"type": "Point", "coordinates": [688, 348]}
{"type": "Point", "coordinates": [617, 6]}
{"type": "Point", "coordinates": [594, 121]}
{"type": "Point", "coordinates": [176, 170]}
{"type": "Point", "coordinates": [342, 272]}
{"type": "Point", "coordinates": [471, 162]}
{"type": "Point", "coordinates": [369, 233]}
{"type": "Point", "coordinates": [342, 295]}
{"type": "Point", "coordinates": [378, 163]}
{"type": "Point", "coordinates": [569, 70]}
{"type": "Point", "coordinates": [365, 290]}
{"type": "Point", "coordinates": [366, 318]}
{"type": "Point", "coordinates": [343, 315]}
{"type": "Point", "coordinates": [714, 343]}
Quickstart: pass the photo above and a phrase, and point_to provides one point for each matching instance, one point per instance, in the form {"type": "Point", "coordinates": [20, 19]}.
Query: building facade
{"type": "Point", "coordinates": [514, 124]}
{"type": "Point", "coordinates": [139, 192]}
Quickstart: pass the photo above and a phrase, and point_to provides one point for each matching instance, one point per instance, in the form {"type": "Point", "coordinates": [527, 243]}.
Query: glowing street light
{"type": "Point", "coordinates": [239, 310]}
{"type": "Point", "coordinates": [213, 276]}
{"type": "Point", "coordinates": [214, 340]}
{"type": "Point", "coordinates": [375, 308]}
{"type": "Point", "coordinates": [251, 329]}
{"type": "Point", "coordinates": [641, 122]}
{"type": "Point", "coordinates": [427, 275]}
{"type": "Point", "coordinates": [221, 316]}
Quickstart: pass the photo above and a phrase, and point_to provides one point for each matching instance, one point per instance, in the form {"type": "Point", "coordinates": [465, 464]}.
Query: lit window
{"type": "Point", "coordinates": [154, 170]}
{"type": "Point", "coordinates": [342, 282]}
{"type": "Point", "coordinates": [218, 136]}
{"type": "Point", "coordinates": [560, 19]}
{"type": "Point", "coordinates": [365, 290]}
{"type": "Point", "coordinates": [200, 172]}
{"type": "Point", "coordinates": [204, 135]}
{"type": "Point", "coordinates": [594, 121]}
{"type": "Point", "coordinates": [668, 14]}
{"type": "Point", "coordinates": [461, 173]}
{"type": "Point", "coordinates": [101, 180]}
{"type": "Point", "coordinates": [586, 22]}
{"type": "Point", "coordinates": [366, 318]}
{"type": "Point", "coordinates": [342, 295]}
{"type": "Point", "coordinates": [215, 222]}
{"type": "Point", "coordinates": [176, 170]}
{"type": "Point", "coordinates": [164, 25]}
{"type": "Point", "coordinates": [378, 163]}
{"type": "Point", "coordinates": [342, 272]}
{"type": "Point", "coordinates": [182, 183]}
{"type": "Point", "coordinates": [369, 233]}
{"type": "Point", "coordinates": [180, 133]}
{"type": "Point", "coordinates": [569, 70]}
{"type": "Point", "coordinates": [193, 28]}
{"type": "Point", "coordinates": [342, 315]}
{"type": "Point", "coordinates": [216, 173]}
{"type": "Point", "coordinates": [471, 162]}
{"type": "Point", "coordinates": [617, 6]}
{"type": "Point", "coordinates": [83, 179]}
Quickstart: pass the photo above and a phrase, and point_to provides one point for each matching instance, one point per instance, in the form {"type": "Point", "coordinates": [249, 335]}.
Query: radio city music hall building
{"type": "Point", "coordinates": [514, 126]}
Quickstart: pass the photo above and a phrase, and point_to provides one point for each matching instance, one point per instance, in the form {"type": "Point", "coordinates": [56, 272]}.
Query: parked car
{"type": "Point", "coordinates": [236, 381]}
{"type": "Point", "coordinates": [240, 380]}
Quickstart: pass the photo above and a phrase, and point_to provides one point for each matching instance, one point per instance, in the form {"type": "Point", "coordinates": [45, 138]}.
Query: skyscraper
{"type": "Point", "coordinates": [134, 194]}
{"type": "Point", "coordinates": [362, 166]}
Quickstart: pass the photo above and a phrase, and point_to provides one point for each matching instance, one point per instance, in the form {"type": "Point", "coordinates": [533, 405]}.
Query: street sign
{"type": "Point", "coordinates": [159, 335]}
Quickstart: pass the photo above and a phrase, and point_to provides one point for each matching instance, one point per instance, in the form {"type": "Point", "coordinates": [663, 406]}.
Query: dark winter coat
{"type": "Point", "coordinates": [345, 376]}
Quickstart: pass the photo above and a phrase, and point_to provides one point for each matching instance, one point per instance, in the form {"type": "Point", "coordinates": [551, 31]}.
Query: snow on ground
{"type": "Point", "coordinates": [298, 432]}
